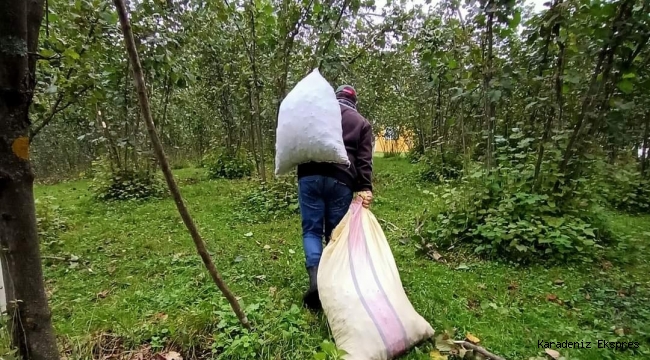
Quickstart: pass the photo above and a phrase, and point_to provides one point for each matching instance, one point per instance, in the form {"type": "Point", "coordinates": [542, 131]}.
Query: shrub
{"type": "Point", "coordinates": [273, 199]}
{"type": "Point", "coordinates": [498, 212]}
{"type": "Point", "coordinates": [625, 189]}
{"type": "Point", "coordinates": [439, 166]}
{"type": "Point", "coordinates": [125, 184]}
{"type": "Point", "coordinates": [224, 166]}
{"type": "Point", "coordinates": [415, 154]}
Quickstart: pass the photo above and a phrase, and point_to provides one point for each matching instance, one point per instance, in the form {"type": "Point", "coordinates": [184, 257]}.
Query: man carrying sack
{"type": "Point", "coordinates": [325, 190]}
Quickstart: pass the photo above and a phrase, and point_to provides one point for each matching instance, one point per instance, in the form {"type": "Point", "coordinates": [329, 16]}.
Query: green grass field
{"type": "Point", "coordinates": [138, 279]}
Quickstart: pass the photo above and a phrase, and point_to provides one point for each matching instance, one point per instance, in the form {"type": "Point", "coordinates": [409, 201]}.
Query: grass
{"type": "Point", "coordinates": [138, 279]}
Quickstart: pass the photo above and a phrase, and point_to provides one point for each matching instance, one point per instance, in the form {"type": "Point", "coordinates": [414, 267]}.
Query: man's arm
{"type": "Point", "coordinates": [364, 160]}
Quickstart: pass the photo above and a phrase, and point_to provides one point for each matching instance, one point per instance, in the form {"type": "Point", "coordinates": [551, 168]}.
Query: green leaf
{"type": "Point", "coordinates": [495, 95]}
{"type": "Point", "coordinates": [46, 53]}
{"type": "Point", "coordinates": [626, 86]}
{"type": "Point", "coordinates": [320, 356]}
{"type": "Point", "coordinates": [69, 52]}
{"type": "Point", "coordinates": [452, 64]}
{"type": "Point", "coordinates": [516, 20]}
{"type": "Point", "coordinates": [629, 76]}
{"type": "Point", "coordinates": [589, 232]}
{"type": "Point", "coordinates": [328, 347]}
{"type": "Point", "coordinates": [318, 7]}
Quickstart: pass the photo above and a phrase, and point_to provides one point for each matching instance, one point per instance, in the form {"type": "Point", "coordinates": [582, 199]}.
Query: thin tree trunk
{"type": "Point", "coordinates": [30, 325]}
{"type": "Point", "coordinates": [255, 88]}
{"type": "Point", "coordinates": [594, 87]}
{"type": "Point", "coordinates": [163, 120]}
{"type": "Point", "coordinates": [164, 164]}
{"type": "Point", "coordinates": [489, 105]}
{"type": "Point", "coordinates": [646, 143]}
{"type": "Point", "coordinates": [112, 148]}
{"type": "Point", "coordinates": [559, 100]}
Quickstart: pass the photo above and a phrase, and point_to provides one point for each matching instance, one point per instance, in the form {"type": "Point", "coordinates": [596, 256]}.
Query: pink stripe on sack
{"type": "Point", "coordinates": [375, 300]}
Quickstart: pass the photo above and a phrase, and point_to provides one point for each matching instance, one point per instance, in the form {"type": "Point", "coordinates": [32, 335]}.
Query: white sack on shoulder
{"type": "Point", "coordinates": [361, 292]}
{"type": "Point", "coordinates": [309, 126]}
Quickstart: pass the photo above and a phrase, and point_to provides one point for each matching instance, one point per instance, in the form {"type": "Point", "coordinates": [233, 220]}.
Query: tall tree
{"type": "Point", "coordinates": [31, 326]}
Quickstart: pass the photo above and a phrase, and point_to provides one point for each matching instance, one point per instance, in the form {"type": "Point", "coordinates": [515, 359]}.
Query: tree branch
{"type": "Point", "coordinates": [479, 350]}
{"type": "Point", "coordinates": [55, 109]}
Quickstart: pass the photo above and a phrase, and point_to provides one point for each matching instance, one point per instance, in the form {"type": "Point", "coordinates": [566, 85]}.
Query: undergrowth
{"type": "Point", "coordinates": [625, 189]}
{"type": "Point", "coordinates": [125, 184]}
{"type": "Point", "coordinates": [50, 220]}
{"type": "Point", "coordinates": [509, 212]}
{"type": "Point", "coordinates": [228, 166]}
{"type": "Point", "coordinates": [275, 199]}
{"type": "Point", "coordinates": [437, 166]}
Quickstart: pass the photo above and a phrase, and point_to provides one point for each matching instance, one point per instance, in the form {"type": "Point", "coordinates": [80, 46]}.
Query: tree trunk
{"type": "Point", "coordinates": [489, 105]}
{"type": "Point", "coordinates": [164, 164]}
{"type": "Point", "coordinates": [559, 72]}
{"type": "Point", "coordinates": [646, 143]}
{"type": "Point", "coordinates": [255, 88]}
{"type": "Point", "coordinates": [31, 325]}
{"type": "Point", "coordinates": [603, 69]}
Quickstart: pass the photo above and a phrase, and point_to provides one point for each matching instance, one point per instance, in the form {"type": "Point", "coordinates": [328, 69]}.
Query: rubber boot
{"type": "Point", "coordinates": [311, 299]}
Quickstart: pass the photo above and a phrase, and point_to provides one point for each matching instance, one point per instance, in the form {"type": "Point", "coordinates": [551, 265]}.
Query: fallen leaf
{"type": "Point", "coordinates": [513, 286]}
{"type": "Point", "coordinates": [481, 286]}
{"type": "Point", "coordinates": [462, 267]}
{"type": "Point", "coordinates": [267, 247]}
{"type": "Point", "coordinates": [587, 296]}
{"type": "Point", "coordinates": [619, 332]}
{"type": "Point", "coordinates": [111, 270]}
{"type": "Point", "coordinates": [239, 259]}
{"type": "Point", "coordinates": [553, 353]}
{"type": "Point", "coordinates": [260, 277]}
{"type": "Point", "coordinates": [160, 316]}
{"type": "Point", "coordinates": [471, 338]}
{"type": "Point", "coordinates": [436, 355]}
{"type": "Point", "coordinates": [558, 282]}
{"type": "Point", "coordinates": [606, 265]}
{"type": "Point", "coordinates": [435, 255]}
{"type": "Point", "coordinates": [291, 251]}
{"type": "Point", "coordinates": [272, 290]}
{"type": "Point", "coordinates": [172, 355]}
{"type": "Point", "coordinates": [551, 297]}
{"type": "Point", "coordinates": [444, 343]}
{"type": "Point", "coordinates": [248, 234]}
{"type": "Point", "coordinates": [103, 294]}
{"type": "Point", "coordinates": [144, 352]}
{"type": "Point", "coordinates": [74, 258]}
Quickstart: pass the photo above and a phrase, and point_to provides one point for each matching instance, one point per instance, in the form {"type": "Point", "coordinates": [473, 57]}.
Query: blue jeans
{"type": "Point", "coordinates": [324, 201]}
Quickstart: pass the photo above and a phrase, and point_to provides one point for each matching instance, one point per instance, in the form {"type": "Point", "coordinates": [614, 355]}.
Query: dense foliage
{"type": "Point", "coordinates": [228, 166]}
{"type": "Point", "coordinates": [125, 184]}
{"type": "Point", "coordinates": [272, 200]}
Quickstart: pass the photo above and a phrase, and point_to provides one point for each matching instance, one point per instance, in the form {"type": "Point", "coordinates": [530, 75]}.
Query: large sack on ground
{"type": "Point", "coordinates": [309, 126]}
{"type": "Point", "coordinates": [361, 292]}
